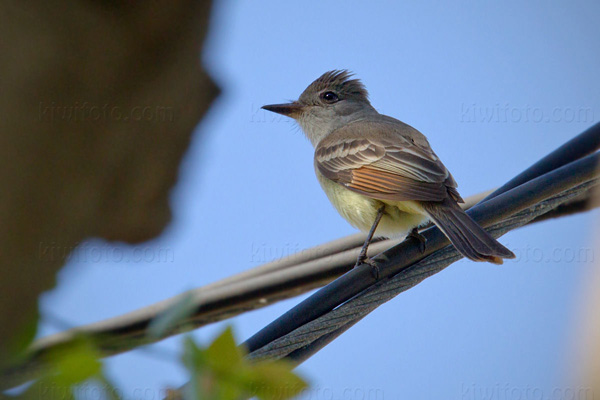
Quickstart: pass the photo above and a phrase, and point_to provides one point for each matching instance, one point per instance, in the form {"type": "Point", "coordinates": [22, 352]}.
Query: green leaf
{"type": "Point", "coordinates": [75, 363]}
{"type": "Point", "coordinates": [18, 344]}
{"type": "Point", "coordinates": [270, 380]}
{"type": "Point", "coordinates": [72, 369]}
{"type": "Point", "coordinates": [172, 316]}
{"type": "Point", "coordinates": [223, 354]}
{"type": "Point", "coordinates": [222, 373]}
{"type": "Point", "coordinates": [194, 360]}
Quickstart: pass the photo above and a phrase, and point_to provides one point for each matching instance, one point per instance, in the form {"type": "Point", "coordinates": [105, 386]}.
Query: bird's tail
{"type": "Point", "coordinates": [465, 234]}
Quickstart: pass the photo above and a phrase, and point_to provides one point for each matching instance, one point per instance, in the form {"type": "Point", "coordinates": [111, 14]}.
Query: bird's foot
{"type": "Point", "coordinates": [362, 259]}
{"type": "Point", "coordinates": [414, 233]}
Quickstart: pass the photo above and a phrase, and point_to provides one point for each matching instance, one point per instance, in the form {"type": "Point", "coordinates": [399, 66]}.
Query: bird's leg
{"type": "Point", "coordinates": [362, 257]}
{"type": "Point", "coordinates": [414, 233]}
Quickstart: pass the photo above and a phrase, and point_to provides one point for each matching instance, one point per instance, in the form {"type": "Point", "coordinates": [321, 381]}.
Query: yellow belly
{"type": "Point", "coordinates": [360, 211]}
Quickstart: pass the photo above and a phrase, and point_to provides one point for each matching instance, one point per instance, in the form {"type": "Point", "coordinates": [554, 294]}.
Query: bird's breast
{"type": "Point", "coordinates": [360, 211]}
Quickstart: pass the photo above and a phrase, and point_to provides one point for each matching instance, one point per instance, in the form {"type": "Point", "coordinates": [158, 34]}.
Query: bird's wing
{"type": "Point", "coordinates": [384, 167]}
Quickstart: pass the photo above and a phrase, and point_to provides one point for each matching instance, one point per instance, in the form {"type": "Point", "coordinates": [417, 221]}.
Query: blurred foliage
{"type": "Point", "coordinates": [73, 371]}
{"type": "Point", "coordinates": [20, 342]}
{"type": "Point", "coordinates": [217, 372]}
{"type": "Point", "coordinates": [220, 372]}
{"type": "Point", "coordinates": [169, 318]}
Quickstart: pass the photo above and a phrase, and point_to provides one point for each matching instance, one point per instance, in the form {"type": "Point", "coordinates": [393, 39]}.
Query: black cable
{"type": "Point", "coordinates": [581, 145]}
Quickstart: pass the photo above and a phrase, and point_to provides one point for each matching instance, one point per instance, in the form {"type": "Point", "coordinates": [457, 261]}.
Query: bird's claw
{"type": "Point", "coordinates": [371, 263]}
{"type": "Point", "coordinates": [420, 238]}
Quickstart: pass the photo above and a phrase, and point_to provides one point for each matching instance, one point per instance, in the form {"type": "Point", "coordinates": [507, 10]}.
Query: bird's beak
{"type": "Point", "coordinates": [291, 110]}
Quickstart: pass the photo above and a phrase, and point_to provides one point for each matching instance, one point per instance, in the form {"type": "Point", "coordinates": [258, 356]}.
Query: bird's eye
{"type": "Point", "coordinates": [329, 97]}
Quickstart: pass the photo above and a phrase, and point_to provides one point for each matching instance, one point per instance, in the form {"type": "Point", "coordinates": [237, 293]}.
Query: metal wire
{"type": "Point", "coordinates": [581, 145]}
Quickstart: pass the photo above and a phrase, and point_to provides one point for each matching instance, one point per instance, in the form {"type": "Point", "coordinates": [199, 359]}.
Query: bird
{"type": "Point", "coordinates": [381, 174]}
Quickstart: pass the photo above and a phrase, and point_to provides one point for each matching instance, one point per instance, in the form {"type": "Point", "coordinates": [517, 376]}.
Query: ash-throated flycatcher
{"type": "Point", "coordinates": [380, 173]}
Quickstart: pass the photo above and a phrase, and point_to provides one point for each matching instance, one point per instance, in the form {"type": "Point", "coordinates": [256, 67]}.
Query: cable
{"type": "Point", "coordinates": [581, 145]}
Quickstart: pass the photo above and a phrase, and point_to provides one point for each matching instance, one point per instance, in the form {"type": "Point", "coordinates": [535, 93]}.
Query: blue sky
{"type": "Point", "coordinates": [494, 86]}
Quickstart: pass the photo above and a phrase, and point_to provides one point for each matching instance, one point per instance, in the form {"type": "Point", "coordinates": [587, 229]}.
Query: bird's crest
{"type": "Point", "coordinates": [339, 81]}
